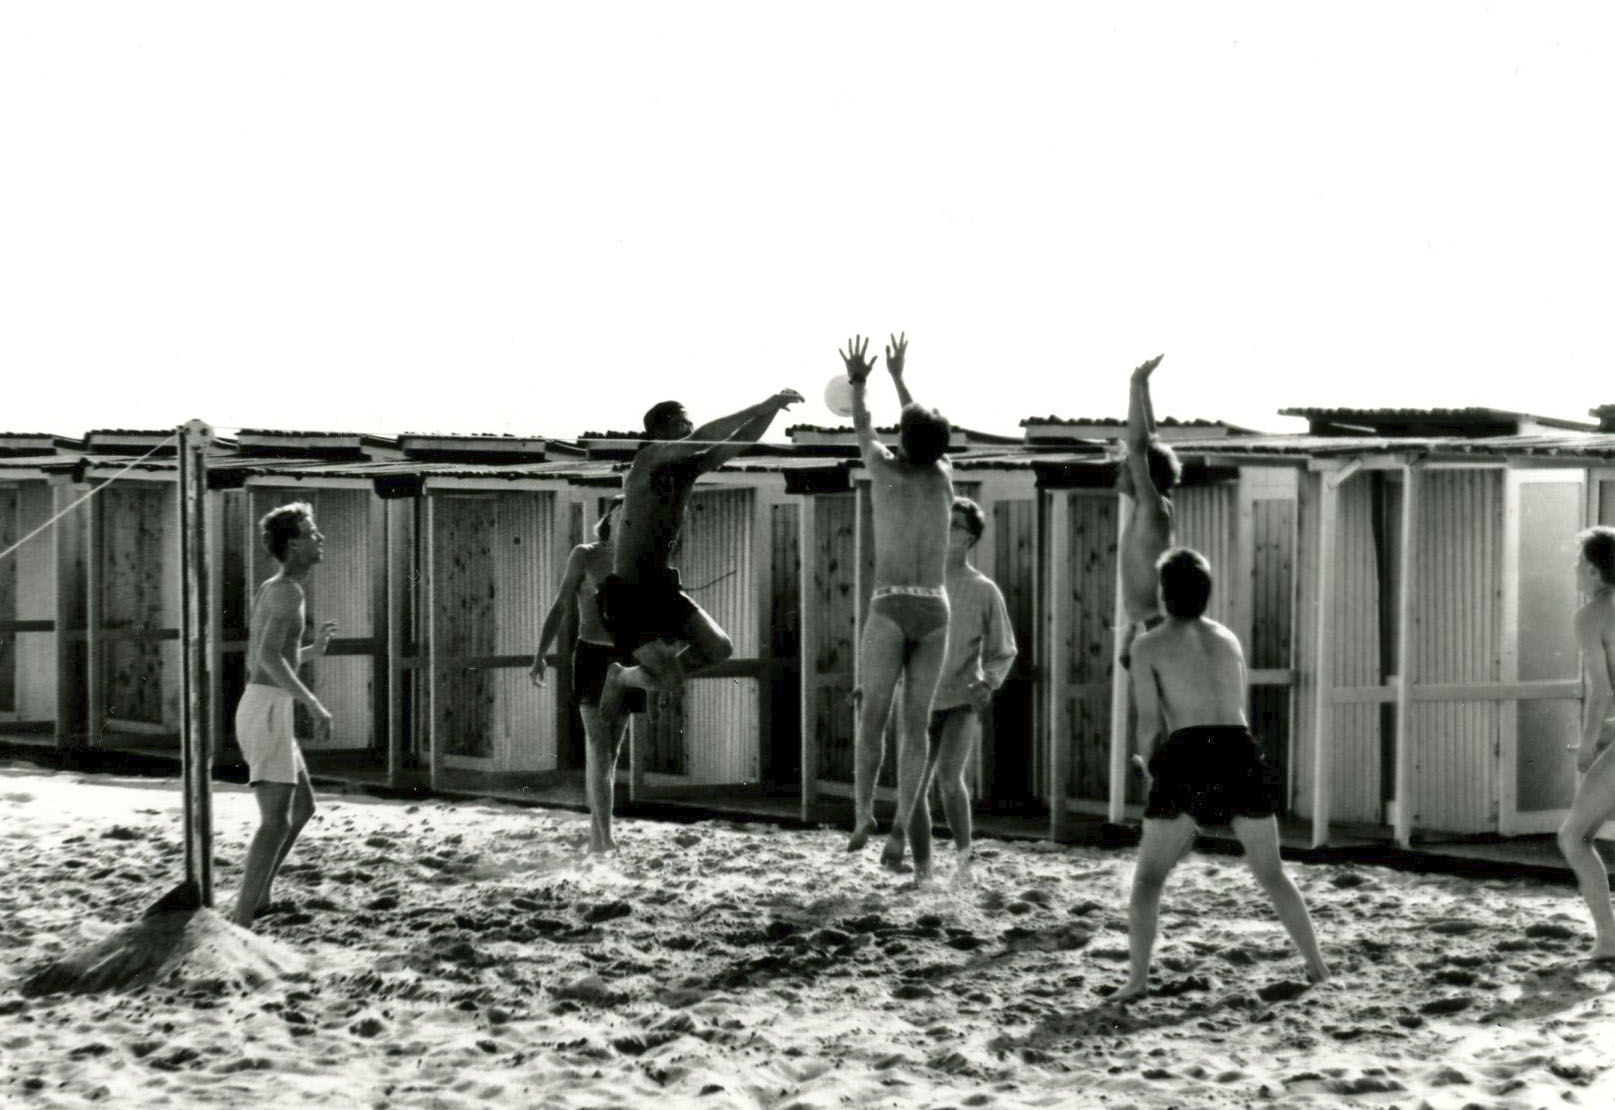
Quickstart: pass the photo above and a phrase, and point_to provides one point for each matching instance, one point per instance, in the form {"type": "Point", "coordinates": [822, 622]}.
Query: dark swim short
{"type": "Point", "coordinates": [638, 613]}
{"type": "Point", "coordinates": [1213, 773]}
{"type": "Point", "coordinates": [589, 663]}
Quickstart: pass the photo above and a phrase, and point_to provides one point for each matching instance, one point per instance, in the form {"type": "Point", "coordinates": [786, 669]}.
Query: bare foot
{"type": "Point", "coordinates": [1602, 954]}
{"type": "Point", "coordinates": [963, 876]}
{"type": "Point", "coordinates": [891, 856]}
{"type": "Point", "coordinates": [860, 835]}
{"type": "Point", "coordinates": [1319, 974]}
{"type": "Point", "coordinates": [1131, 990]}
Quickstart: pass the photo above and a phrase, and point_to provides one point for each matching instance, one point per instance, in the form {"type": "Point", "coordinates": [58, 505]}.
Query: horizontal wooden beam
{"type": "Point", "coordinates": [27, 626]}
{"type": "Point", "coordinates": [1460, 692]}
{"type": "Point", "coordinates": [1272, 676]}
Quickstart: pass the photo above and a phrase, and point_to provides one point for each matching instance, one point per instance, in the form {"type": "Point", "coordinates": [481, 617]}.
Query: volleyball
{"type": "Point", "coordinates": [838, 395]}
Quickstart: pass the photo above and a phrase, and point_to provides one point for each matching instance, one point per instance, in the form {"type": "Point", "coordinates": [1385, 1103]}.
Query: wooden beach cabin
{"type": "Point", "coordinates": [41, 606]}
{"type": "Point", "coordinates": [1441, 685]}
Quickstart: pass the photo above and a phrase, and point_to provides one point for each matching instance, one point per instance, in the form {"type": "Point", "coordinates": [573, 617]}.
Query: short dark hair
{"type": "Point", "coordinates": [281, 526]}
{"type": "Point", "coordinates": [923, 433]}
{"type": "Point", "coordinates": [1165, 469]}
{"type": "Point", "coordinates": [1598, 548]}
{"type": "Point", "coordinates": [975, 519]}
{"type": "Point", "coordinates": [1185, 582]}
{"type": "Point", "coordinates": [602, 527]}
{"type": "Point", "coordinates": [659, 414]}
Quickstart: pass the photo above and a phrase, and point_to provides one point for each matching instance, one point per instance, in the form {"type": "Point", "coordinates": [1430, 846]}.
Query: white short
{"type": "Point", "coordinates": [264, 731]}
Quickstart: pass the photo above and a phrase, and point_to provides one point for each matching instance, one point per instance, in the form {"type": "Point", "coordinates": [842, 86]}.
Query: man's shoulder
{"type": "Point", "coordinates": [1597, 615]}
{"type": "Point", "coordinates": [280, 592]}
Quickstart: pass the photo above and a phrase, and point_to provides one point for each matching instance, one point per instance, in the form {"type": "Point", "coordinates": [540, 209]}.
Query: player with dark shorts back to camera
{"type": "Point", "coordinates": [905, 634]}
{"type": "Point", "coordinates": [643, 606]}
{"type": "Point", "coordinates": [1189, 683]}
{"type": "Point", "coordinates": [981, 649]}
{"type": "Point", "coordinates": [1146, 478]}
{"type": "Point", "coordinates": [587, 567]}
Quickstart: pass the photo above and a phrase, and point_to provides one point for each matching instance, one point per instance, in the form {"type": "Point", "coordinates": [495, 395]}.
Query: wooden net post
{"type": "Point", "coordinates": [196, 741]}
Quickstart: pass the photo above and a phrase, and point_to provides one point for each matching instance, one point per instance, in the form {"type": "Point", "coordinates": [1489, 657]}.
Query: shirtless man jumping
{"type": "Point", "coordinates": [1147, 476]}
{"type": "Point", "coordinates": [1594, 802]}
{"type": "Point", "coordinates": [649, 617]}
{"type": "Point", "coordinates": [586, 568]}
{"type": "Point", "coordinates": [906, 632]}
{"type": "Point", "coordinates": [275, 767]}
{"type": "Point", "coordinates": [1189, 682]}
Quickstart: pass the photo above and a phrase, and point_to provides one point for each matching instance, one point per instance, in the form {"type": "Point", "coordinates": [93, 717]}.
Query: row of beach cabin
{"type": "Point", "coordinates": [1403, 583]}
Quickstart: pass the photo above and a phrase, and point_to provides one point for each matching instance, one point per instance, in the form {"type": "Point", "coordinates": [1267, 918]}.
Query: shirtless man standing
{"type": "Point", "coordinates": [1149, 472]}
{"type": "Point", "coordinates": [275, 767]}
{"type": "Point", "coordinates": [1594, 802]}
{"type": "Point", "coordinates": [906, 631]}
{"type": "Point", "coordinates": [649, 617]}
{"type": "Point", "coordinates": [1189, 681]}
{"type": "Point", "coordinates": [586, 568]}
{"type": "Point", "coordinates": [981, 648]}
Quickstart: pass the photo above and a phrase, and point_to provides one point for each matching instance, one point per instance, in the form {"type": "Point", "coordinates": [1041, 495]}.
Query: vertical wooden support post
{"type": "Point", "coordinates": [213, 557]}
{"type": "Point", "coordinates": [1059, 761]}
{"type": "Point", "coordinates": [67, 538]}
{"type": "Point", "coordinates": [1405, 805]}
{"type": "Point", "coordinates": [807, 538]}
{"type": "Point", "coordinates": [94, 621]}
{"type": "Point", "coordinates": [434, 677]}
{"type": "Point", "coordinates": [1121, 693]}
{"type": "Point", "coordinates": [1323, 656]}
{"type": "Point", "coordinates": [197, 645]}
{"type": "Point", "coordinates": [380, 622]}
{"type": "Point", "coordinates": [400, 585]}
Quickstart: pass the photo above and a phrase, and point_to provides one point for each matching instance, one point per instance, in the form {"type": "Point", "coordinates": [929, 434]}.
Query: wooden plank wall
{"type": "Point", "coordinates": [9, 534]}
{"type": "Point", "coordinates": [465, 620]}
{"type": "Point", "coordinates": [526, 570]}
{"type": "Point", "coordinates": [1354, 747]}
{"type": "Point", "coordinates": [35, 572]}
{"type": "Point", "coordinates": [1203, 518]}
{"type": "Point", "coordinates": [835, 602]}
{"type": "Point", "coordinates": [1271, 646]}
{"type": "Point", "coordinates": [1456, 618]}
{"type": "Point", "coordinates": [718, 738]}
{"type": "Point", "coordinates": [1010, 746]}
{"type": "Point", "coordinates": [134, 573]}
{"type": "Point", "coordinates": [1085, 625]}
{"type": "Point", "coordinates": [782, 760]}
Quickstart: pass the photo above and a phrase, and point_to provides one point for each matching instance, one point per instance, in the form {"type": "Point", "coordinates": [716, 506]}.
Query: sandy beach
{"type": "Point", "coordinates": [458, 954]}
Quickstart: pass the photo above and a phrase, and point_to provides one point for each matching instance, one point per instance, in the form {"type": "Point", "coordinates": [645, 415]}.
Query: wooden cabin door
{"type": "Point", "coordinates": [1543, 510]}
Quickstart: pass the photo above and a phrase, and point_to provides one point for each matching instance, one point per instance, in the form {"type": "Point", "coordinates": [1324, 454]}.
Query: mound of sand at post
{"type": "Point", "coordinates": [464, 954]}
{"type": "Point", "coordinates": [190, 944]}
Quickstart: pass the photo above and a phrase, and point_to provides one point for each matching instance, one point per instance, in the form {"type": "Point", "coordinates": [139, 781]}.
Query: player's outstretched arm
{"type": "Point", "coordinates": [859, 364]}
{"type": "Point", "coordinates": [896, 355]}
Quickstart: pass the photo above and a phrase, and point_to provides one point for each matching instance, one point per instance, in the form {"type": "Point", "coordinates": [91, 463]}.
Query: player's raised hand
{"type": "Point", "coordinates": [1144, 370]}
{"type": "Point", "coordinates": [896, 350]}
{"type": "Point", "coordinates": [785, 398]}
{"type": "Point", "coordinates": [856, 360]}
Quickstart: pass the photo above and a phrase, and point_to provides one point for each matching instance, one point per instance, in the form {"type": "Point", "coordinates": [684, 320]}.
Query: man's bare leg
{"type": "Point", "coordinates": [1163, 843]}
{"type": "Point", "coordinates": [663, 666]}
{"type": "Point", "coordinates": [925, 661]}
{"type": "Point", "coordinates": [302, 811]}
{"type": "Point", "coordinates": [1260, 838]}
{"type": "Point", "coordinates": [1593, 805]}
{"type": "Point", "coordinates": [603, 741]}
{"type": "Point", "coordinates": [880, 659]}
{"type": "Point", "coordinates": [960, 732]}
{"type": "Point", "coordinates": [266, 849]}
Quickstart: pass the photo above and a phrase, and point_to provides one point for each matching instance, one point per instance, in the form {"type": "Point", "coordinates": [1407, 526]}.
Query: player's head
{"type": "Point", "coordinates": [1597, 563]}
{"type": "Point", "coordinates": [667, 420]}
{"type": "Point", "coordinates": [967, 522]}
{"type": "Point", "coordinates": [1165, 470]}
{"type": "Point", "coordinates": [1185, 578]}
{"type": "Point", "coordinates": [289, 534]}
{"type": "Point", "coordinates": [923, 434]}
{"type": "Point", "coordinates": [602, 527]}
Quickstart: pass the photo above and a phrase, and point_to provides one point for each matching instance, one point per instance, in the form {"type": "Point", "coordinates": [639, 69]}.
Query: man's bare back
{"type": "Point", "coordinates": [1197, 668]}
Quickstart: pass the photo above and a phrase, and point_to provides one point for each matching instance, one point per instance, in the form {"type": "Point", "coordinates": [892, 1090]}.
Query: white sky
{"type": "Point", "coordinates": [540, 218]}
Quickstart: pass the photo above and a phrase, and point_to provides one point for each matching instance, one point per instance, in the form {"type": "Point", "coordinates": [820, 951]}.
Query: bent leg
{"type": "Point", "coordinates": [705, 643]}
{"type": "Point", "coordinates": [1260, 838]}
{"type": "Point", "coordinates": [264, 852]}
{"type": "Point", "coordinates": [960, 731]}
{"type": "Point", "coordinates": [880, 658]}
{"type": "Point", "coordinates": [925, 661]}
{"type": "Point", "coordinates": [1593, 805]}
{"type": "Point", "coordinates": [1162, 844]}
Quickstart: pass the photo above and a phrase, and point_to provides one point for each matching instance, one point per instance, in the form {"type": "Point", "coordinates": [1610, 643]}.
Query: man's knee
{"type": "Point", "coordinates": [719, 647]}
{"type": "Point", "coordinates": [1574, 834]}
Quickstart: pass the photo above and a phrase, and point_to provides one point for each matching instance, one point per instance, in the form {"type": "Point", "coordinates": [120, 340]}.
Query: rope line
{"type": "Point", "coordinates": [161, 444]}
